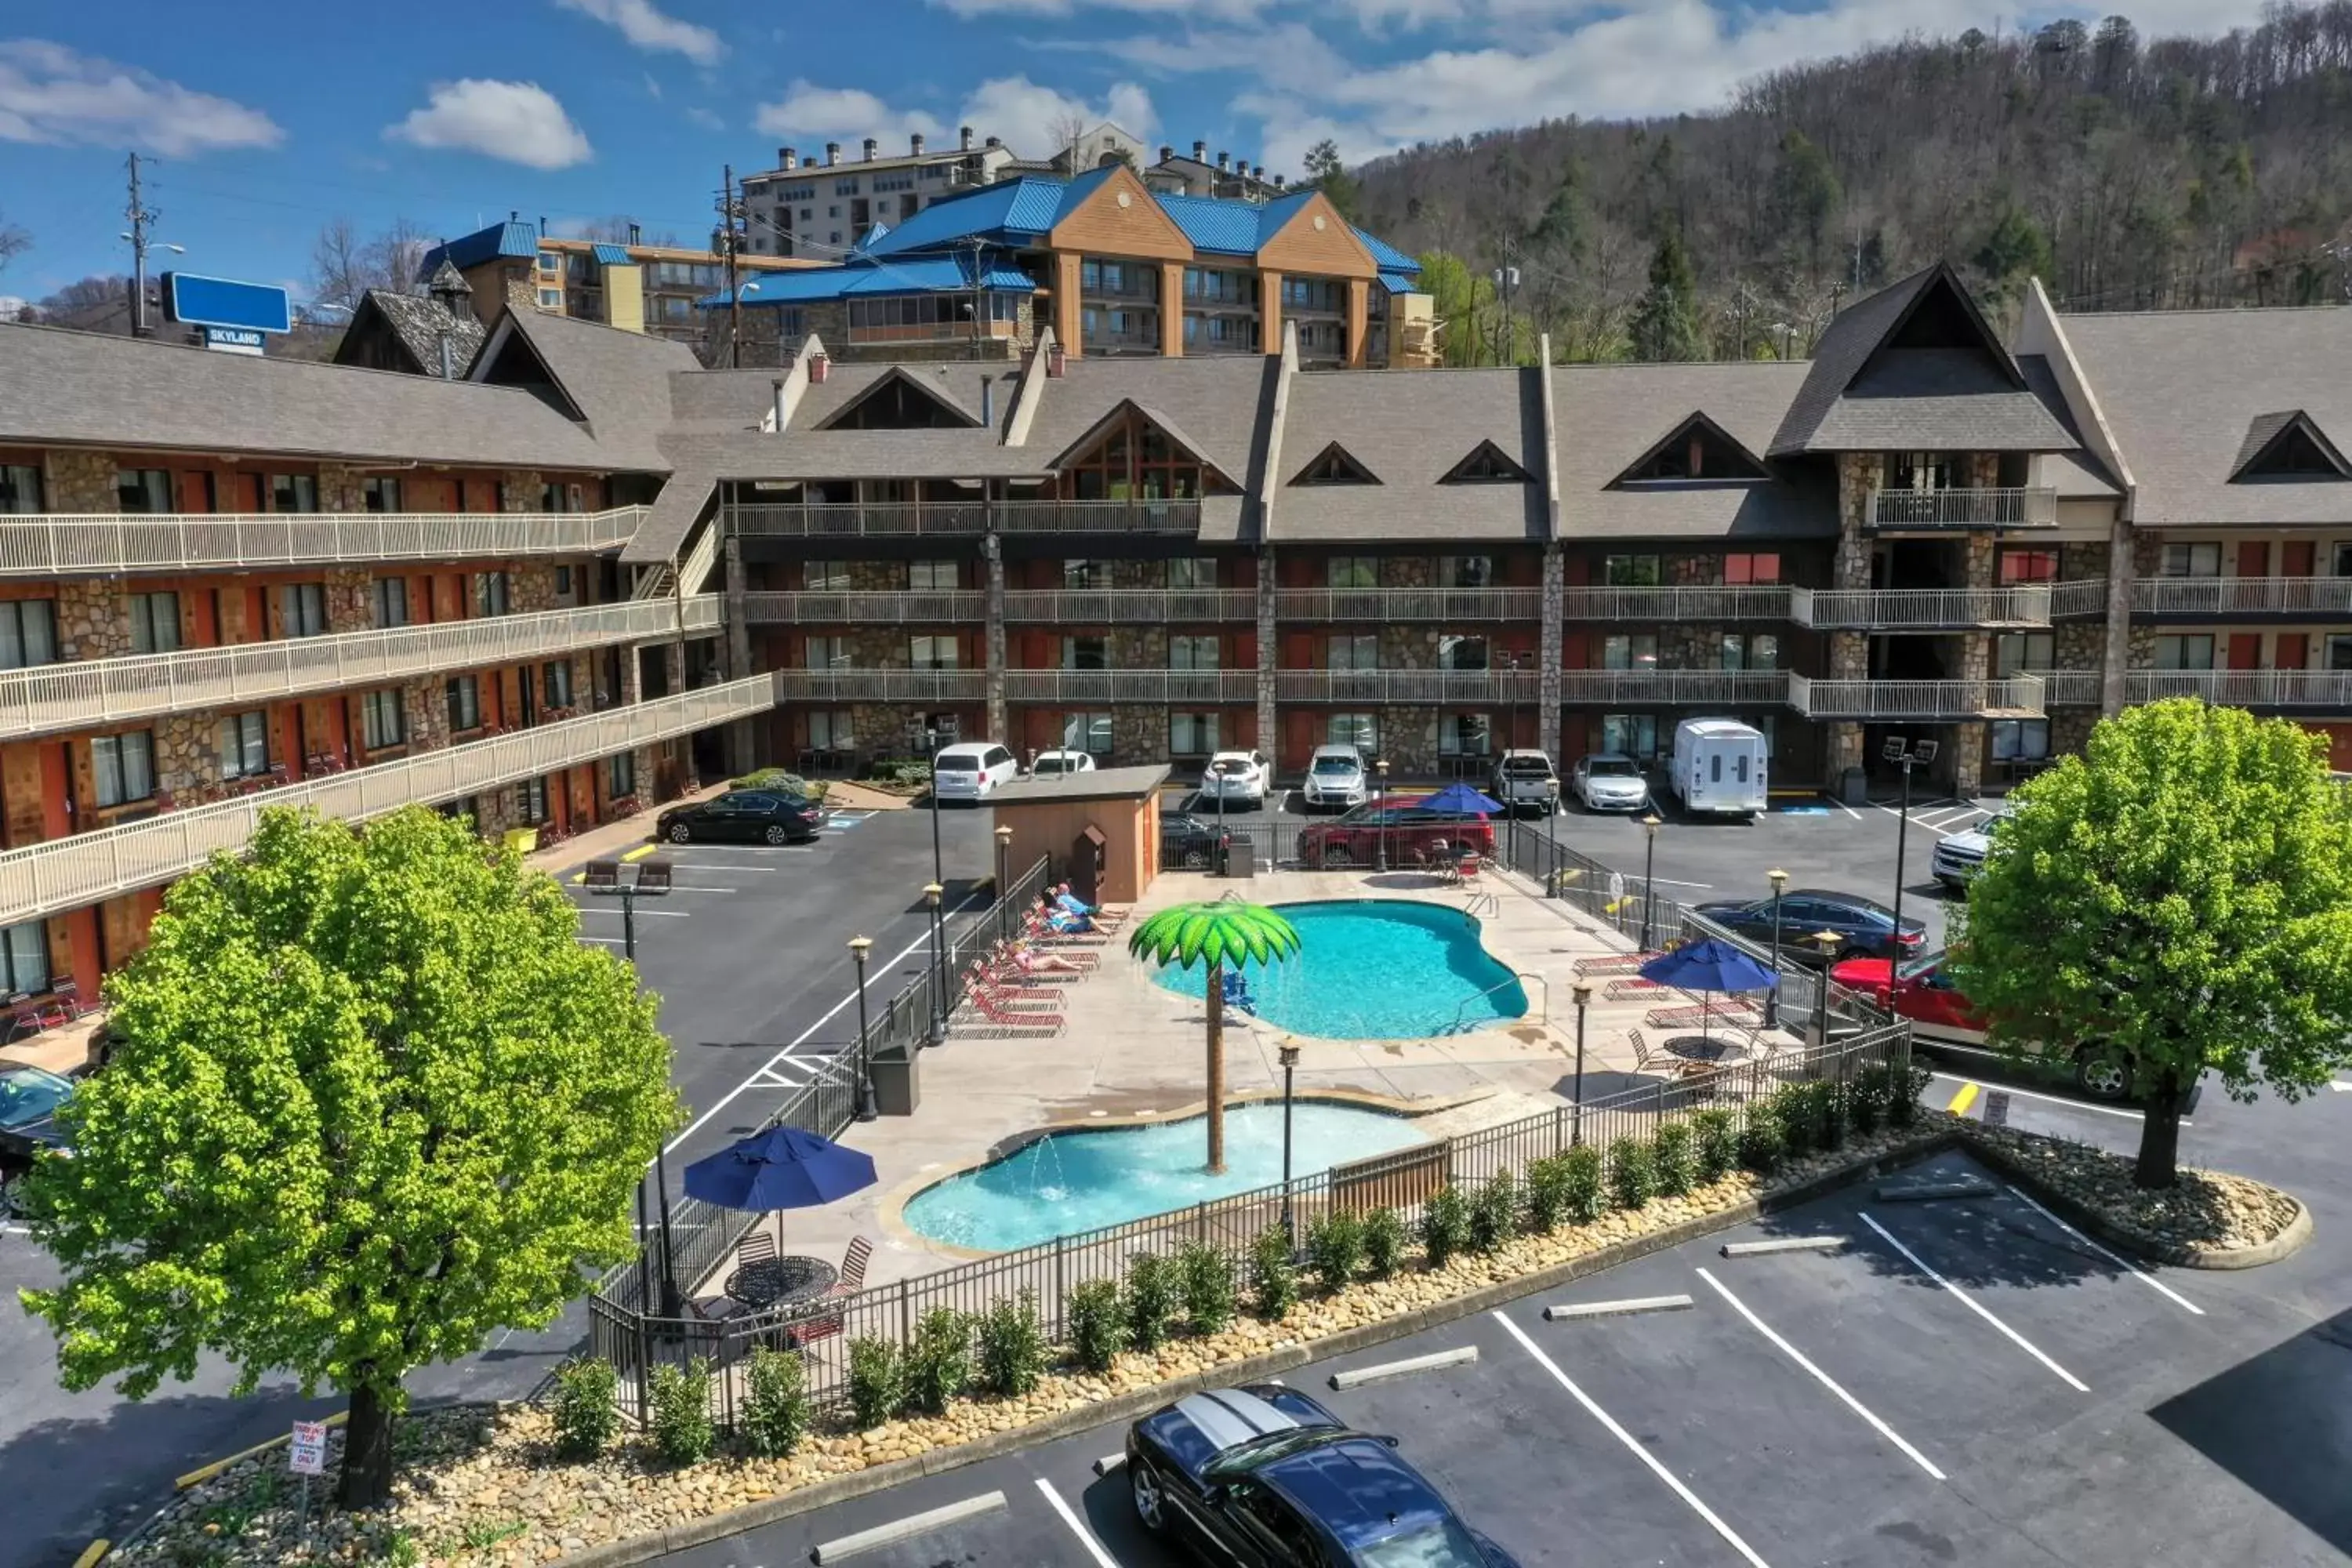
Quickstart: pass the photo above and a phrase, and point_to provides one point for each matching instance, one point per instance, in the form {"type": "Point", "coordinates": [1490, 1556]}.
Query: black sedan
{"type": "Point", "coordinates": [1187, 842]}
{"type": "Point", "coordinates": [742, 817]}
{"type": "Point", "coordinates": [1866, 929]}
{"type": "Point", "coordinates": [29, 1098]}
{"type": "Point", "coordinates": [1264, 1475]}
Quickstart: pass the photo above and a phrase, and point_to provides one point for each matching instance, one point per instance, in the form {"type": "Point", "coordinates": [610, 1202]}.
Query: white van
{"type": "Point", "coordinates": [1718, 767]}
{"type": "Point", "coordinates": [970, 769]}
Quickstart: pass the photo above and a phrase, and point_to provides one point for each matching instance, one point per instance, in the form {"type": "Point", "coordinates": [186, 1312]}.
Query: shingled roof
{"type": "Point", "coordinates": [1413, 428]}
{"type": "Point", "coordinates": [419, 323]}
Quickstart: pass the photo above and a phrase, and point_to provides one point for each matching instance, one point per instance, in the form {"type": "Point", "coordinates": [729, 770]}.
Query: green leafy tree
{"type": "Point", "coordinates": [1665, 321]}
{"type": "Point", "coordinates": [1215, 935]}
{"type": "Point", "coordinates": [2178, 899]}
{"type": "Point", "coordinates": [372, 1099]}
{"type": "Point", "coordinates": [1457, 297]}
{"type": "Point", "coordinates": [1329, 175]}
{"type": "Point", "coordinates": [2014, 249]}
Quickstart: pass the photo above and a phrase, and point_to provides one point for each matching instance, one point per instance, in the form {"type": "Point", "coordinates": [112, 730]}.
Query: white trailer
{"type": "Point", "coordinates": [1718, 768]}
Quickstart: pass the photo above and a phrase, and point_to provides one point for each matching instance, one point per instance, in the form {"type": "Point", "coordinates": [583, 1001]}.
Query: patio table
{"type": "Point", "coordinates": [1699, 1049]}
{"type": "Point", "coordinates": [774, 1281]}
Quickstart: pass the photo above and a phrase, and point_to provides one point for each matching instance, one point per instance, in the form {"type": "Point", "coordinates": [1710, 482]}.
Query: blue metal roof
{"type": "Point", "coordinates": [1401, 283]}
{"type": "Point", "coordinates": [907, 275]}
{"type": "Point", "coordinates": [1389, 257]}
{"type": "Point", "coordinates": [1275, 215]}
{"type": "Point", "coordinates": [513, 239]}
{"type": "Point", "coordinates": [1229, 229]}
{"type": "Point", "coordinates": [611, 255]}
{"type": "Point", "coordinates": [1009, 211]}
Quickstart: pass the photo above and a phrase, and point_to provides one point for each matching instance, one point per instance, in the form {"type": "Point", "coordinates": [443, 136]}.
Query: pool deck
{"type": "Point", "coordinates": [1133, 1050]}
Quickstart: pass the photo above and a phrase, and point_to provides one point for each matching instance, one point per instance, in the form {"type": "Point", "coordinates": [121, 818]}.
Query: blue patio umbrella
{"type": "Point", "coordinates": [1460, 797]}
{"type": "Point", "coordinates": [783, 1168]}
{"type": "Point", "coordinates": [1706, 968]}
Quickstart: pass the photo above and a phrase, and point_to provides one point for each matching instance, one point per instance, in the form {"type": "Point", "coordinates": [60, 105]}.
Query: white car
{"type": "Point", "coordinates": [1052, 764]}
{"type": "Point", "coordinates": [1609, 781]}
{"type": "Point", "coordinates": [1237, 778]}
{"type": "Point", "coordinates": [970, 769]}
{"type": "Point", "coordinates": [1335, 778]}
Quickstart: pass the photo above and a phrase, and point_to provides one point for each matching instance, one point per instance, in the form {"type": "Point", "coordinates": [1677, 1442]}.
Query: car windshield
{"type": "Point", "coordinates": [1613, 768]}
{"type": "Point", "coordinates": [29, 1094]}
{"type": "Point", "coordinates": [1266, 1449]}
{"type": "Point", "coordinates": [1439, 1543]}
{"type": "Point", "coordinates": [955, 765]}
{"type": "Point", "coordinates": [1231, 765]}
{"type": "Point", "coordinates": [1056, 765]}
{"type": "Point", "coordinates": [1526, 768]}
{"type": "Point", "coordinates": [1917, 968]}
{"type": "Point", "coordinates": [1335, 765]}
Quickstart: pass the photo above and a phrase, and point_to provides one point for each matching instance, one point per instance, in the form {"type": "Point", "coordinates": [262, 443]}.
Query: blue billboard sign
{"type": "Point", "coordinates": [221, 302]}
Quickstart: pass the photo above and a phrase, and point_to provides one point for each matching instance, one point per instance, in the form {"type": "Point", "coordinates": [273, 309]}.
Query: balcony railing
{"type": "Point", "coordinates": [1745, 603]}
{"type": "Point", "coordinates": [2084, 597]}
{"type": "Point", "coordinates": [829, 609]}
{"type": "Point", "coordinates": [68, 873]}
{"type": "Point", "coordinates": [1409, 604]}
{"type": "Point", "coordinates": [107, 690]}
{"type": "Point", "coordinates": [881, 684]}
{"type": "Point", "coordinates": [2322, 691]}
{"type": "Point", "coordinates": [895, 519]}
{"type": "Point", "coordinates": [1417, 686]}
{"type": "Point", "coordinates": [63, 543]}
{"type": "Point", "coordinates": [1171, 686]}
{"type": "Point", "coordinates": [1746, 687]}
{"type": "Point", "coordinates": [1131, 606]}
{"type": "Point", "coordinates": [1097, 516]}
{"type": "Point", "coordinates": [2034, 506]}
{"type": "Point", "coordinates": [1904, 609]}
{"type": "Point", "coordinates": [2069, 687]}
{"type": "Point", "coordinates": [2325, 597]}
{"type": "Point", "coordinates": [2019, 696]}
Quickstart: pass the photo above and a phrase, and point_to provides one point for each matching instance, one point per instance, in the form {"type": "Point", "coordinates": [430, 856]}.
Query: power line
{"type": "Point", "coordinates": [141, 215]}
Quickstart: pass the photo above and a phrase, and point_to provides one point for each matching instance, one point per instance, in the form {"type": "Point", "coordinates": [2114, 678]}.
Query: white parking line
{"type": "Point", "coordinates": [1973, 1305]}
{"type": "Point", "coordinates": [1656, 1468]}
{"type": "Point", "coordinates": [2339, 1085]}
{"type": "Point", "coordinates": [730, 867]}
{"type": "Point", "coordinates": [1824, 1378]}
{"type": "Point", "coordinates": [1840, 805]}
{"type": "Point", "coordinates": [2150, 1280]}
{"type": "Point", "coordinates": [1915, 819]}
{"type": "Point", "coordinates": [616, 913]}
{"type": "Point", "coordinates": [1085, 1536]}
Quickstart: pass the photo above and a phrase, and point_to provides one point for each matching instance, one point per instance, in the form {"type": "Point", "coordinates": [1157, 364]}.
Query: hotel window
{"type": "Point", "coordinates": [934, 652]}
{"type": "Point", "coordinates": [1464, 735]}
{"type": "Point", "coordinates": [1352, 572]}
{"type": "Point", "coordinates": [155, 622]}
{"type": "Point", "coordinates": [20, 488]}
{"type": "Point", "coordinates": [933, 576]}
{"type": "Point", "coordinates": [1195, 572]}
{"type": "Point", "coordinates": [2339, 653]}
{"type": "Point", "coordinates": [1629, 651]}
{"type": "Point", "coordinates": [244, 745]}
{"type": "Point", "coordinates": [555, 679]}
{"type": "Point", "coordinates": [2343, 561]}
{"type": "Point", "coordinates": [293, 492]}
{"type": "Point", "coordinates": [551, 299]}
{"type": "Point", "coordinates": [303, 606]}
{"type": "Point", "coordinates": [25, 958]}
{"type": "Point", "coordinates": [1085, 574]}
{"type": "Point", "coordinates": [2017, 565]}
{"type": "Point", "coordinates": [381, 723]}
{"type": "Point", "coordinates": [2184, 652]}
{"type": "Point", "coordinates": [1220, 334]}
{"type": "Point", "coordinates": [381, 495]}
{"type": "Point", "coordinates": [1191, 734]}
{"type": "Point", "coordinates": [2192, 561]}
{"type": "Point", "coordinates": [1361, 730]}
{"type": "Point", "coordinates": [553, 497]}
{"type": "Point", "coordinates": [1751, 650]}
{"type": "Point", "coordinates": [2024, 653]}
{"type": "Point", "coordinates": [830, 730]}
{"type": "Point", "coordinates": [1353, 650]}
{"type": "Point", "coordinates": [551, 261]}
{"type": "Point", "coordinates": [1919, 471]}
{"type": "Point", "coordinates": [464, 694]}
{"type": "Point", "coordinates": [825, 576]}
{"type": "Point", "coordinates": [1465, 571]}
{"type": "Point", "coordinates": [1630, 571]}
{"type": "Point", "coordinates": [620, 775]}
{"type": "Point", "coordinates": [1086, 653]}
{"type": "Point", "coordinates": [28, 633]}
{"type": "Point", "coordinates": [530, 800]}
{"type": "Point", "coordinates": [1088, 732]}
{"type": "Point", "coordinates": [124, 766]}
{"type": "Point", "coordinates": [1463, 653]}
{"type": "Point", "coordinates": [391, 602]}
{"type": "Point", "coordinates": [490, 593]}
{"type": "Point", "coordinates": [1740, 568]}
{"type": "Point", "coordinates": [142, 489]}
{"type": "Point", "coordinates": [1193, 652]}
{"type": "Point", "coordinates": [1632, 734]}
{"type": "Point", "coordinates": [1310, 294]}
{"type": "Point", "coordinates": [826, 653]}
{"type": "Point", "coordinates": [2019, 740]}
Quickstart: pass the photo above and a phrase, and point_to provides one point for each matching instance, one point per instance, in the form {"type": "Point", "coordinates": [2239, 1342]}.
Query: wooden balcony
{"type": "Point", "coordinates": [1766, 602]}
{"type": "Point", "coordinates": [1918, 609]}
{"type": "Point", "coordinates": [63, 543]}
{"type": "Point", "coordinates": [1381, 604]}
{"type": "Point", "coordinates": [2034, 506]}
{"type": "Point", "coordinates": [868, 609]}
{"type": "Point", "coordinates": [2019, 696]}
{"type": "Point", "coordinates": [1131, 606]}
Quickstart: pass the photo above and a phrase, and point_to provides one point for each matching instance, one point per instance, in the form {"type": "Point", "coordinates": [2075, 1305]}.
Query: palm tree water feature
{"type": "Point", "coordinates": [1213, 935]}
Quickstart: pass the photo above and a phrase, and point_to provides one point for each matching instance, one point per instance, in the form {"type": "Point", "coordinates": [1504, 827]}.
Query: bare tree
{"type": "Point", "coordinates": [14, 242]}
{"type": "Point", "coordinates": [1065, 129]}
{"type": "Point", "coordinates": [344, 264]}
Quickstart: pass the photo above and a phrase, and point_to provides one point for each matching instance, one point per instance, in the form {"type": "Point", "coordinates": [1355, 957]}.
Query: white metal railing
{"type": "Point", "coordinates": [832, 609]}
{"type": "Point", "coordinates": [160, 542]}
{"type": "Point", "coordinates": [67, 873]}
{"type": "Point", "coordinates": [1409, 604]}
{"type": "Point", "coordinates": [695, 574]}
{"type": "Point", "coordinates": [1130, 686]}
{"type": "Point", "coordinates": [106, 690]}
{"type": "Point", "coordinates": [880, 685]}
{"type": "Point", "coordinates": [2018, 694]}
{"type": "Point", "coordinates": [1766, 602]}
{"type": "Point", "coordinates": [897, 519]}
{"type": "Point", "coordinates": [1131, 606]}
{"type": "Point", "coordinates": [1850, 608]}
{"type": "Point", "coordinates": [2082, 596]}
{"type": "Point", "coordinates": [2327, 690]}
{"type": "Point", "coordinates": [2072, 688]}
{"type": "Point", "coordinates": [2021, 506]}
{"type": "Point", "coordinates": [1407, 686]}
{"type": "Point", "coordinates": [2317, 596]}
{"type": "Point", "coordinates": [1675, 686]}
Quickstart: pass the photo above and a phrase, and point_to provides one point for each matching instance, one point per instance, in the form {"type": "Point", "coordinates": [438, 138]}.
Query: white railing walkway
{"type": "Point", "coordinates": [61, 542]}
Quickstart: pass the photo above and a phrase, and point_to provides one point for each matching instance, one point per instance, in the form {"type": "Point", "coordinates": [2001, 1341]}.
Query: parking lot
{"type": "Point", "coordinates": [1963, 1381]}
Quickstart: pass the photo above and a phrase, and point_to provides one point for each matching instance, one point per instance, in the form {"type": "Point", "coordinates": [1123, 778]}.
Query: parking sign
{"type": "Point", "coordinates": [307, 1455]}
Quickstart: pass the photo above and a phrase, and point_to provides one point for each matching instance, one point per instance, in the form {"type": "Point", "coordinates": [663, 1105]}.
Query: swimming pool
{"type": "Point", "coordinates": [1079, 1180]}
{"type": "Point", "coordinates": [1376, 969]}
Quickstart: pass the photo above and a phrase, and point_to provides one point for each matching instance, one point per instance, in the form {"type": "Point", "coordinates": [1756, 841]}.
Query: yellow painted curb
{"type": "Point", "coordinates": [640, 852]}
{"type": "Point", "coordinates": [92, 1553]}
{"type": "Point", "coordinates": [1963, 1100]}
{"type": "Point", "coordinates": [206, 1472]}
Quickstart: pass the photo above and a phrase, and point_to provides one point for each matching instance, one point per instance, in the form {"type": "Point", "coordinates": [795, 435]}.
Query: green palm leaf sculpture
{"type": "Point", "coordinates": [1215, 935]}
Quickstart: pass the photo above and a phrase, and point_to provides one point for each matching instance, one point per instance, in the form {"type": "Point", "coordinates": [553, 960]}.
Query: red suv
{"type": "Point", "coordinates": [1920, 991]}
{"type": "Point", "coordinates": [1412, 834]}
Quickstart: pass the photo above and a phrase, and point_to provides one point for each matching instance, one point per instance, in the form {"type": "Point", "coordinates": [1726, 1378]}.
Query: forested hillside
{"type": "Point", "coordinates": [2126, 172]}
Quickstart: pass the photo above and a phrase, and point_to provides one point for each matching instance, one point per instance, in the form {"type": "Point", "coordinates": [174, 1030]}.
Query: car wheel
{"type": "Point", "coordinates": [1195, 860]}
{"type": "Point", "coordinates": [1337, 857]}
{"type": "Point", "coordinates": [679, 833]}
{"type": "Point", "coordinates": [1151, 1497]}
{"type": "Point", "coordinates": [2100, 1076]}
{"type": "Point", "coordinates": [777, 834]}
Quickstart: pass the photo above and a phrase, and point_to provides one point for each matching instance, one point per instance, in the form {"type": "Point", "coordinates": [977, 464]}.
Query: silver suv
{"type": "Point", "coordinates": [1336, 779]}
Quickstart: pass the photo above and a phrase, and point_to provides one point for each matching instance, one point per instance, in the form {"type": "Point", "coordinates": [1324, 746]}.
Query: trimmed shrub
{"type": "Point", "coordinates": [1205, 1280]}
{"type": "Point", "coordinates": [1494, 1214]}
{"type": "Point", "coordinates": [1866, 1100]}
{"type": "Point", "coordinates": [1012, 1347]}
{"type": "Point", "coordinates": [1905, 1082]}
{"type": "Point", "coordinates": [1586, 1202]}
{"type": "Point", "coordinates": [587, 1407]}
{"type": "Point", "coordinates": [1445, 1226]}
{"type": "Point", "coordinates": [1384, 1242]}
{"type": "Point", "coordinates": [1335, 1247]}
{"type": "Point", "coordinates": [938, 1364]}
{"type": "Point", "coordinates": [1633, 1172]}
{"type": "Point", "coordinates": [1836, 1113]}
{"type": "Point", "coordinates": [1150, 1300]}
{"type": "Point", "coordinates": [1274, 1277]}
{"type": "Point", "coordinates": [1718, 1139]}
{"type": "Point", "coordinates": [777, 1409]}
{"type": "Point", "coordinates": [1097, 1324]}
{"type": "Point", "coordinates": [1761, 1148]}
{"type": "Point", "coordinates": [1797, 1109]}
{"type": "Point", "coordinates": [877, 1382]}
{"type": "Point", "coordinates": [680, 1401]}
{"type": "Point", "coordinates": [1548, 1180]}
{"type": "Point", "coordinates": [1677, 1158]}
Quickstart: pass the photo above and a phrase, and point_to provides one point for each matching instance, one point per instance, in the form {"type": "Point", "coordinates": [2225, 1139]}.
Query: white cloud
{"type": "Point", "coordinates": [653, 87]}
{"type": "Point", "coordinates": [1024, 112]}
{"type": "Point", "coordinates": [53, 94]}
{"type": "Point", "coordinates": [704, 117]}
{"type": "Point", "coordinates": [519, 122]}
{"type": "Point", "coordinates": [1220, 10]}
{"type": "Point", "coordinates": [648, 28]}
{"type": "Point", "coordinates": [840, 113]}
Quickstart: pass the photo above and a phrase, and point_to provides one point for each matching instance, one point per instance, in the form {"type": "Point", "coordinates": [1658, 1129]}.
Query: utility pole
{"type": "Point", "coordinates": [978, 248]}
{"type": "Point", "coordinates": [1506, 283]}
{"type": "Point", "coordinates": [141, 215]}
{"type": "Point", "coordinates": [730, 243]}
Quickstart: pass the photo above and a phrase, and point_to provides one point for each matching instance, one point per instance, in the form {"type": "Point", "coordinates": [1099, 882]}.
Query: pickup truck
{"type": "Point", "coordinates": [1920, 991]}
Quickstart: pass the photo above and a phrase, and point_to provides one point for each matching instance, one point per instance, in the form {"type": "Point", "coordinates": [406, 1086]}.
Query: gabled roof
{"type": "Point", "coordinates": [2270, 432]}
{"type": "Point", "coordinates": [899, 275]}
{"type": "Point", "coordinates": [511, 241]}
{"type": "Point", "coordinates": [1696, 421]}
{"type": "Point", "coordinates": [1416, 426]}
{"type": "Point", "coordinates": [617, 381]}
{"type": "Point", "coordinates": [1015, 211]}
{"type": "Point", "coordinates": [1335, 465]}
{"type": "Point", "coordinates": [417, 323]}
{"type": "Point", "coordinates": [893, 377]}
{"type": "Point", "coordinates": [1389, 258]}
{"type": "Point", "coordinates": [1608, 419]}
{"type": "Point", "coordinates": [1159, 420]}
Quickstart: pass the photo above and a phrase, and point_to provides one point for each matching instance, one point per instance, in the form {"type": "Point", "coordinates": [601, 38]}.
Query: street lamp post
{"type": "Point", "coordinates": [864, 1111]}
{"type": "Point", "coordinates": [1004, 884]}
{"type": "Point", "coordinates": [939, 880]}
{"type": "Point", "coordinates": [1583, 992]}
{"type": "Point", "coordinates": [670, 1303]}
{"type": "Point", "coordinates": [1772, 997]}
{"type": "Point", "coordinates": [1828, 942]}
{"type": "Point", "coordinates": [1288, 1054]}
{"type": "Point", "coordinates": [1908, 754]}
{"type": "Point", "coordinates": [1379, 815]}
{"type": "Point", "coordinates": [1651, 822]}
{"type": "Point", "coordinates": [938, 973]}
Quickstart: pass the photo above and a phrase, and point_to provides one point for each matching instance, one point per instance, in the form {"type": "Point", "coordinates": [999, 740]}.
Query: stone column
{"type": "Point", "coordinates": [1549, 689]}
{"type": "Point", "coordinates": [2123, 570]}
{"type": "Point", "coordinates": [992, 551]}
{"type": "Point", "coordinates": [1268, 627]}
{"type": "Point", "coordinates": [1859, 473]}
{"type": "Point", "coordinates": [742, 739]}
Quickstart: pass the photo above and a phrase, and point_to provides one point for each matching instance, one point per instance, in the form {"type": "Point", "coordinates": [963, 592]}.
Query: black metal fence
{"type": "Point", "coordinates": [823, 1330]}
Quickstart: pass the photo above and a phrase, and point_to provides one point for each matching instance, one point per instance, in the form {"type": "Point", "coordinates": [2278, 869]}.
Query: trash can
{"type": "Point", "coordinates": [522, 840]}
{"type": "Point", "coordinates": [898, 1080]}
{"type": "Point", "coordinates": [1240, 855]}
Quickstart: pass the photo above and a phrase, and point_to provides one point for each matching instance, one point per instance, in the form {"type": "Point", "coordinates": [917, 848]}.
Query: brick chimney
{"type": "Point", "coordinates": [1055, 364]}
{"type": "Point", "coordinates": [819, 368]}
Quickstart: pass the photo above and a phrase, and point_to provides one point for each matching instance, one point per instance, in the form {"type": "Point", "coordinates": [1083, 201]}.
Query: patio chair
{"type": "Point", "coordinates": [1647, 1058]}
{"type": "Point", "coordinates": [1630, 988]}
{"type": "Point", "coordinates": [757, 1246]}
{"type": "Point", "coordinates": [1612, 963]}
{"type": "Point", "coordinates": [853, 1268]}
{"type": "Point", "coordinates": [1729, 1010]}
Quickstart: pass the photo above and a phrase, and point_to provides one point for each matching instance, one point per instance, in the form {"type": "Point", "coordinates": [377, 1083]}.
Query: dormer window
{"type": "Point", "coordinates": [2288, 445]}
{"type": "Point", "coordinates": [1485, 465]}
{"type": "Point", "coordinates": [1698, 451]}
{"type": "Point", "coordinates": [1334, 466]}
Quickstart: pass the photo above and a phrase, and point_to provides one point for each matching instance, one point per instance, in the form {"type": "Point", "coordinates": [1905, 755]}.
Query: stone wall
{"type": "Point", "coordinates": [519, 490]}
{"type": "Point", "coordinates": [425, 708]}
{"type": "Point", "coordinates": [1980, 471]}
{"type": "Point", "coordinates": [1409, 571]}
{"type": "Point", "coordinates": [1408, 646]}
{"type": "Point", "coordinates": [2079, 645]}
{"type": "Point", "coordinates": [1978, 571]}
{"type": "Point", "coordinates": [1138, 648]}
{"type": "Point", "coordinates": [1685, 646]}
{"type": "Point", "coordinates": [2148, 556]}
{"type": "Point", "coordinates": [340, 490]}
{"type": "Point", "coordinates": [1137, 735]}
{"type": "Point", "coordinates": [2069, 730]}
{"type": "Point", "coordinates": [2141, 644]}
{"type": "Point", "coordinates": [93, 621]}
{"type": "Point", "coordinates": [532, 588]}
{"type": "Point", "coordinates": [188, 752]}
{"type": "Point", "coordinates": [351, 599]}
{"type": "Point", "coordinates": [2077, 561]}
{"type": "Point", "coordinates": [1859, 473]}
{"type": "Point", "coordinates": [81, 481]}
{"type": "Point", "coordinates": [876, 577]}
{"type": "Point", "coordinates": [1409, 741]}
{"type": "Point", "coordinates": [1968, 760]}
{"type": "Point", "coordinates": [1693, 571]}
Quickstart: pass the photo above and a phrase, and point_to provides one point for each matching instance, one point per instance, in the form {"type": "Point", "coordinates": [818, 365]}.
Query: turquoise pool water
{"type": "Point", "coordinates": [1376, 969]}
{"type": "Point", "coordinates": [1070, 1182]}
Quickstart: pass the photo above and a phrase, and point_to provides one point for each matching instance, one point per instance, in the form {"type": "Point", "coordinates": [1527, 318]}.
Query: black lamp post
{"type": "Point", "coordinates": [1004, 884]}
{"type": "Point", "coordinates": [1772, 997]}
{"type": "Point", "coordinates": [1651, 822]}
{"type": "Point", "coordinates": [938, 879]}
{"type": "Point", "coordinates": [1583, 992]}
{"type": "Point", "coordinates": [1288, 1054]}
{"type": "Point", "coordinates": [865, 1109]}
{"type": "Point", "coordinates": [671, 1307]}
{"type": "Point", "coordinates": [1379, 815]}
{"type": "Point", "coordinates": [939, 969]}
{"type": "Point", "coordinates": [1907, 755]}
{"type": "Point", "coordinates": [1828, 941]}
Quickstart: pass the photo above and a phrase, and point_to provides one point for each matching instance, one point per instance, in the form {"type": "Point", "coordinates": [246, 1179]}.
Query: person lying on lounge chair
{"type": "Point", "coordinates": [1236, 991]}
{"type": "Point", "coordinates": [1064, 922]}
{"type": "Point", "coordinates": [1065, 899]}
{"type": "Point", "coordinates": [1028, 963]}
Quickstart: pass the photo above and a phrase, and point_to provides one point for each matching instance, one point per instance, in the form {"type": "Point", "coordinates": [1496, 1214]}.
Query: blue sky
{"type": "Point", "coordinates": [267, 119]}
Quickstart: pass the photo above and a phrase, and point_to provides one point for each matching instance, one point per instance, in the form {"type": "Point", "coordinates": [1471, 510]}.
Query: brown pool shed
{"type": "Point", "coordinates": [1099, 829]}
